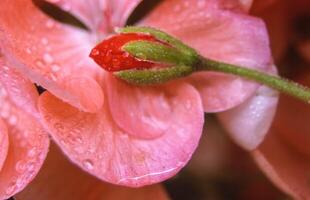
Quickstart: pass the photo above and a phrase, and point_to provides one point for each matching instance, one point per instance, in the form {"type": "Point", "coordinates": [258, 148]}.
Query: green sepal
{"type": "Point", "coordinates": [160, 35]}
{"type": "Point", "coordinates": [154, 76]}
{"type": "Point", "coordinates": [157, 52]}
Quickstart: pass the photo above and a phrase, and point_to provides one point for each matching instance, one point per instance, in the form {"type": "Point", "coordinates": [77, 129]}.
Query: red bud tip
{"type": "Point", "coordinates": [110, 56]}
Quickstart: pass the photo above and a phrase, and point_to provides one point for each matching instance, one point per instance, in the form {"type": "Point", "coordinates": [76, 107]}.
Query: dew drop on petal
{"type": "Point", "coordinates": [47, 58]}
{"type": "Point", "coordinates": [12, 120]}
{"type": "Point", "coordinates": [44, 41]}
{"type": "Point", "coordinates": [55, 67]}
{"type": "Point", "coordinates": [28, 50]}
{"type": "Point", "coordinates": [20, 166]}
{"type": "Point", "coordinates": [88, 164]}
{"type": "Point", "coordinates": [49, 24]}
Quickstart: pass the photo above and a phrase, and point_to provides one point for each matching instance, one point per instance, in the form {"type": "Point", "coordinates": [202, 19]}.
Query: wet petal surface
{"type": "Point", "coordinates": [99, 15]}
{"type": "Point", "coordinates": [61, 180]}
{"type": "Point", "coordinates": [99, 146]}
{"type": "Point", "coordinates": [219, 34]}
{"type": "Point", "coordinates": [50, 53]}
{"type": "Point", "coordinates": [28, 142]}
{"type": "Point", "coordinates": [248, 123]}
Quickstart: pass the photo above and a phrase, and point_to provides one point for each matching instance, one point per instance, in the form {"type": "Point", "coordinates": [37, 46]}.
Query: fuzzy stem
{"type": "Point", "coordinates": [283, 85]}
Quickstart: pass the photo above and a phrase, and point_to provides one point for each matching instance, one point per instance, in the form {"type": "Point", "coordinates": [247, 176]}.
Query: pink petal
{"type": "Point", "coordinates": [149, 112]}
{"type": "Point", "coordinates": [121, 10]}
{"type": "Point", "coordinates": [100, 147]}
{"type": "Point", "coordinates": [249, 122]}
{"type": "Point", "coordinates": [50, 53]}
{"type": "Point", "coordinates": [28, 142]}
{"type": "Point", "coordinates": [284, 155]}
{"type": "Point", "coordinates": [4, 143]}
{"type": "Point", "coordinates": [59, 179]}
{"type": "Point", "coordinates": [99, 15]}
{"type": "Point", "coordinates": [219, 34]}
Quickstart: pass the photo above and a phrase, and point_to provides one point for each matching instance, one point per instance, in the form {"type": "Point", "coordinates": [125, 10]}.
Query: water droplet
{"type": "Point", "coordinates": [48, 59]}
{"type": "Point", "coordinates": [95, 52]}
{"type": "Point", "coordinates": [28, 50]}
{"type": "Point", "coordinates": [20, 166]}
{"type": "Point", "coordinates": [67, 7]}
{"type": "Point", "coordinates": [32, 152]}
{"type": "Point", "coordinates": [88, 164]}
{"type": "Point", "coordinates": [3, 92]}
{"type": "Point", "coordinates": [44, 41]}
{"type": "Point", "coordinates": [50, 24]}
{"type": "Point", "coordinates": [55, 68]}
{"type": "Point", "coordinates": [12, 120]}
{"type": "Point", "coordinates": [39, 63]}
{"type": "Point", "coordinates": [188, 105]}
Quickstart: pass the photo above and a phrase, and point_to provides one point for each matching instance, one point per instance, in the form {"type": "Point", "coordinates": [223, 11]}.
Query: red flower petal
{"type": "Point", "coordinates": [59, 179]}
{"type": "Point", "coordinates": [99, 15]}
{"type": "Point", "coordinates": [99, 146]}
{"type": "Point", "coordinates": [110, 56]}
{"type": "Point", "coordinates": [28, 142]}
{"type": "Point", "coordinates": [221, 35]}
{"type": "Point", "coordinates": [50, 53]}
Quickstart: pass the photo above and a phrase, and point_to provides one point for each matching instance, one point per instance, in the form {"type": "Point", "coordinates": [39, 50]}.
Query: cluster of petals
{"type": "Point", "coordinates": [120, 133]}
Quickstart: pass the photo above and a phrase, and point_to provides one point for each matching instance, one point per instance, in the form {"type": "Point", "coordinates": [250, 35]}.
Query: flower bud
{"type": "Point", "coordinates": [143, 55]}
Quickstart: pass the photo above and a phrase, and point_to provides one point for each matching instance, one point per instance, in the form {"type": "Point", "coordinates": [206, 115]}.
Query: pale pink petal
{"type": "Point", "coordinates": [61, 180]}
{"type": "Point", "coordinates": [284, 155]}
{"type": "Point", "coordinates": [28, 142]}
{"type": "Point", "coordinates": [4, 143]}
{"type": "Point", "coordinates": [99, 15]}
{"type": "Point", "coordinates": [249, 122]}
{"type": "Point", "coordinates": [219, 34]}
{"type": "Point", "coordinates": [148, 112]}
{"type": "Point", "coordinates": [50, 53]}
{"type": "Point", "coordinates": [99, 146]}
{"type": "Point", "coordinates": [121, 10]}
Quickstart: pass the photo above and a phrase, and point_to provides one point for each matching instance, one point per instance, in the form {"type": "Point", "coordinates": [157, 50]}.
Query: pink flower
{"type": "Point", "coordinates": [95, 118]}
{"type": "Point", "coordinates": [23, 141]}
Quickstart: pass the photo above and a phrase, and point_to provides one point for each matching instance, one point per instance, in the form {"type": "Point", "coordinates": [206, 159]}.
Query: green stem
{"type": "Point", "coordinates": [283, 85]}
